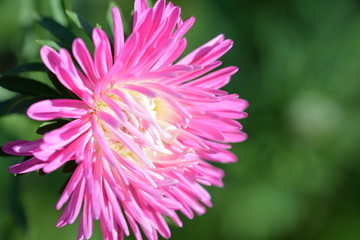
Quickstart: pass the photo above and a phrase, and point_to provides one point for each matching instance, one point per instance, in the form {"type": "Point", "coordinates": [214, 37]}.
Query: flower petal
{"type": "Point", "coordinates": [61, 137]}
{"type": "Point", "coordinates": [118, 31]}
{"type": "Point", "coordinates": [61, 64]}
{"type": "Point", "coordinates": [84, 59]}
{"type": "Point", "coordinates": [57, 108]}
{"type": "Point", "coordinates": [21, 147]}
{"type": "Point", "coordinates": [103, 57]}
{"type": "Point", "coordinates": [202, 51]}
{"type": "Point", "coordinates": [214, 80]}
{"type": "Point", "coordinates": [30, 165]}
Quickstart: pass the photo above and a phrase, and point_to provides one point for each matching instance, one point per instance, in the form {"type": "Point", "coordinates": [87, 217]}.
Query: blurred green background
{"type": "Point", "coordinates": [298, 173]}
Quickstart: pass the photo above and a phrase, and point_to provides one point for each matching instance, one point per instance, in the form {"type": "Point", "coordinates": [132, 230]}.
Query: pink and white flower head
{"type": "Point", "coordinates": [144, 126]}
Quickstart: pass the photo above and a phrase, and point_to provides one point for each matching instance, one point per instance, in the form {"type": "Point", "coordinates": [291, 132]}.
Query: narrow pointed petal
{"type": "Point", "coordinates": [30, 165]}
{"type": "Point", "coordinates": [118, 31]}
{"type": "Point", "coordinates": [21, 147]}
{"type": "Point", "coordinates": [57, 108]}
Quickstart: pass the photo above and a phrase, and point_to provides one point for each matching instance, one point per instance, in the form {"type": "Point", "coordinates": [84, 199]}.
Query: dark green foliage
{"type": "Point", "coordinates": [28, 67]}
{"type": "Point", "coordinates": [56, 29]}
{"type": "Point", "coordinates": [69, 167]}
{"type": "Point", "coordinates": [18, 104]}
{"type": "Point", "coordinates": [80, 22]}
{"type": "Point", "coordinates": [27, 87]}
{"type": "Point", "coordinates": [3, 154]}
{"type": "Point", "coordinates": [49, 43]}
{"type": "Point", "coordinates": [16, 206]}
{"type": "Point", "coordinates": [49, 126]}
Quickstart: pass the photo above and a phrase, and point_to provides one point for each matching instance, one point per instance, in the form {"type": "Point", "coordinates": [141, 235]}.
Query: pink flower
{"type": "Point", "coordinates": [143, 128]}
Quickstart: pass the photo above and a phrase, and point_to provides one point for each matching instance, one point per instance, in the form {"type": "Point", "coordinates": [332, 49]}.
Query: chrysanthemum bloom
{"type": "Point", "coordinates": [143, 127]}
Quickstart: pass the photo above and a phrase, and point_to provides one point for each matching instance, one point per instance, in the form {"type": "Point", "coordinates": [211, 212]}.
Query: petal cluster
{"type": "Point", "coordinates": [143, 127]}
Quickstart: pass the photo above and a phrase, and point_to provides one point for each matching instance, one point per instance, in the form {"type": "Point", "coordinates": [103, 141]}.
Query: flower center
{"type": "Point", "coordinates": [137, 127]}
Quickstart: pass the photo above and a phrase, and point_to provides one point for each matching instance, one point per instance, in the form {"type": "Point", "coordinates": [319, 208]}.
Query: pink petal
{"type": "Point", "coordinates": [117, 210]}
{"type": "Point", "coordinates": [189, 76]}
{"type": "Point", "coordinates": [202, 51]}
{"type": "Point", "coordinates": [235, 136]}
{"type": "Point", "coordinates": [127, 52]}
{"type": "Point", "coordinates": [139, 7]}
{"type": "Point", "coordinates": [143, 90]}
{"type": "Point", "coordinates": [74, 83]}
{"type": "Point", "coordinates": [60, 157]}
{"type": "Point", "coordinates": [215, 53]}
{"type": "Point", "coordinates": [60, 137]}
{"type": "Point", "coordinates": [128, 142]}
{"type": "Point", "coordinates": [30, 165]}
{"type": "Point", "coordinates": [214, 80]}
{"type": "Point", "coordinates": [108, 118]}
{"type": "Point", "coordinates": [103, 57]}
{"type": "Point", "coordinates": [57, 108]}
{"type": "Point", "coordinates": [84, 59]}
{"type": "Point", "coordinates": [118, 31]}
{"type": "Point", "coordinates": [21, 147]}
{"type": "Point", "coordinates": [162, 89]}
{"type": "Point", "coordinates": [183, 28]}
{"type": "Point", "coordinates": [50, 58]}
{"type": "Point", "coordinates": [172, 54]}
{"type": "Point", "coordinates": [87, 221]}
{"type": "Point", "coordinates": [74, 181]}
{"type": "Point", "coordinates": [227, 108]}
{"type": "Point", "coordinates": [73, 208]}
{"type": "Point", "coordinates": [61, 64]}
{"type": "Point", "coordinates": [208, 133]}
{"type": "Point", "coordinates": [223, 157]}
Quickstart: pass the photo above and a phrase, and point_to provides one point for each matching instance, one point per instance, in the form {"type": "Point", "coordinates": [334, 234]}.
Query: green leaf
{"type": "Point", "coordinates": [58, 12]}
{"type": "Point", "coordinates": [49, 43]}
{"type": "Point", "coordinates": [18, 104]}
{"type": "Point", "coordinates": [150, 2]}
{"type": "Point", "coordinates": [15, 204]}
{"type": "Point", "coordinates": [66, 4]}
{"type": "Point", "coordinates": [63, 186]}
{"type": "Point", "coordinates": [7, 104]}
{"type": "Point", "coordinates": [49, 126]}
{"type": "Point", "coordinates": [69, 167]}
{"type": "Point", "coordinates": [28, 67]}
{"type": "Point", "coordinates": [80, 22]}
{"type": "Point", "coordinates": [4, 154]}
{"type": "Point", "coordinates": [26, 158]}
{"type": "Point", "coordinates": [109, 20]}
{"type": "Point", "coordinates": [170, 222]}
{"type": "Point", "coordinates": [27, 86]}
{"type": "Point", "coordinates": [55, 28]}
{"type": "Point", "coordinates": [21, 105]}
